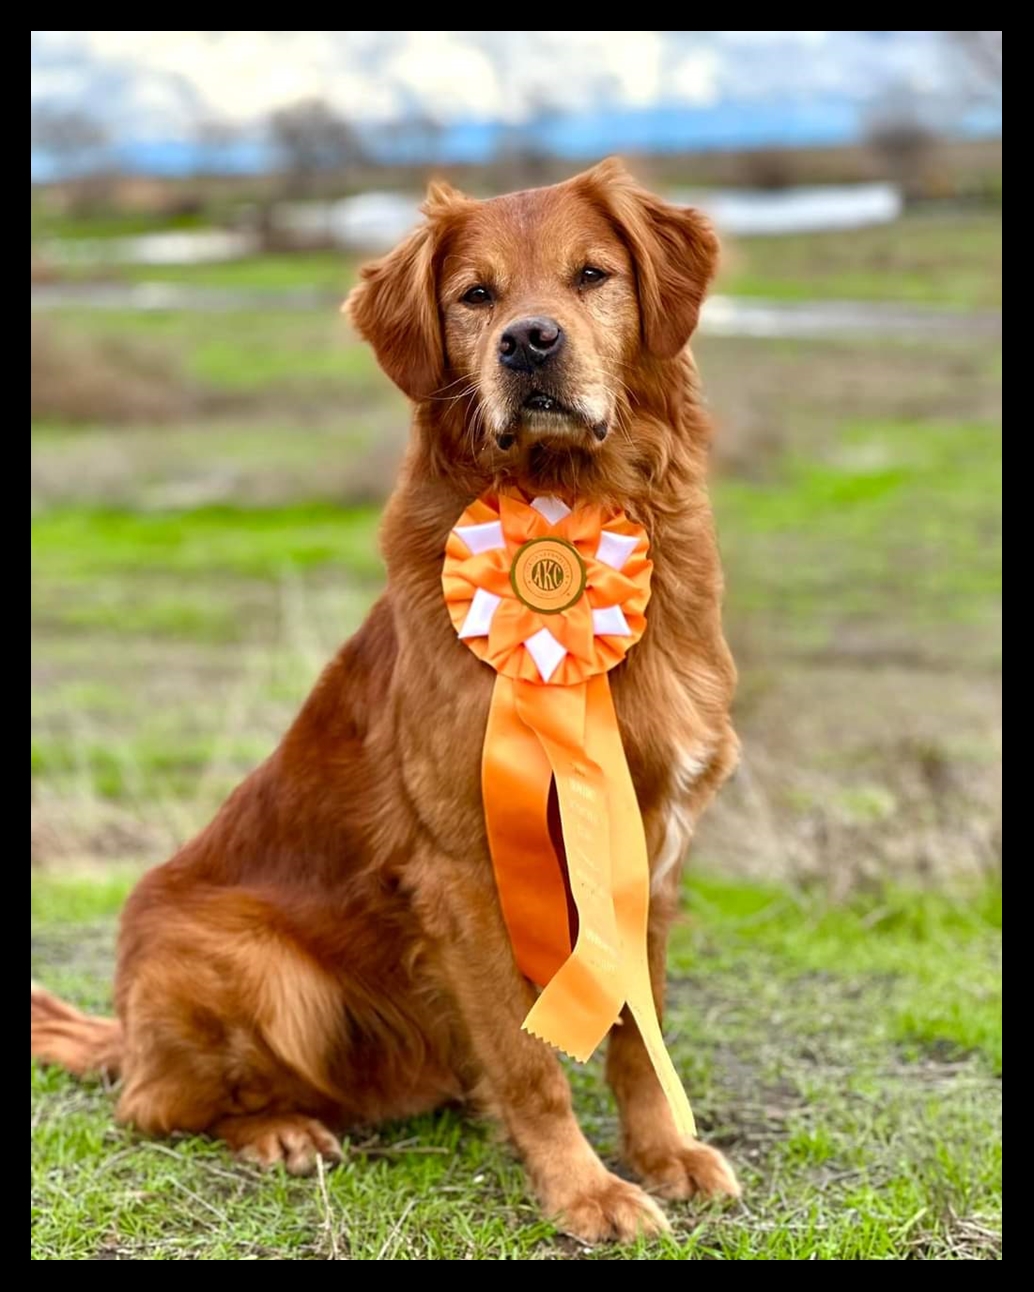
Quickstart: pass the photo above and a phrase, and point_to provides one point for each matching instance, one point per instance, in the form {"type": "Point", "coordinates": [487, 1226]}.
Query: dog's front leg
{"type": "Point", "coordinates": [521, 1079]}
{"type": "Point", "coordinates": [668, 1163]}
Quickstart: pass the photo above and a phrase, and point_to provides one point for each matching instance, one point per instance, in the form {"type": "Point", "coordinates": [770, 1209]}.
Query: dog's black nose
{"type": "Point", "coordinates": [528, 343]}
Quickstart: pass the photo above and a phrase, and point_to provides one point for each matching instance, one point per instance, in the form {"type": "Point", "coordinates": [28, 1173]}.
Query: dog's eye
{"type": "Point", "coordinates": [477, 296]}
{"type": "Point", "coordinates": [590, 276]}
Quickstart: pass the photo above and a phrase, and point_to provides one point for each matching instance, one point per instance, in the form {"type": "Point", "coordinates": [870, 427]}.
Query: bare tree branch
{"type": "Point", "coordinates": [313, 140]}
{"type": "Point", "coordinates": [984, 52]}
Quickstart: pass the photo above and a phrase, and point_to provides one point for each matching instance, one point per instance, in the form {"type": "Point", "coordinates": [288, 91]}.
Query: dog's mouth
{"type": "Point", "coordinates": [543, 416]}
{"type": "Point", "coordinates": [539, 402]}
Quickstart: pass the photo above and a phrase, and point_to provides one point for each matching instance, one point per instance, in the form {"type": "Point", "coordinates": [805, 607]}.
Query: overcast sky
{"type": "Point", "coordinates": [161, 84]}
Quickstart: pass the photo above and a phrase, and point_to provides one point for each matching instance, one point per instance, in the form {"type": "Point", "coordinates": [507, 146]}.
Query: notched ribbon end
{"type": "Point", "coordinates": [539, 1036]}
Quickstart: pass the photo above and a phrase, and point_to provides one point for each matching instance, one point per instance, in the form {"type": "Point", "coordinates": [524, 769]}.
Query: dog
{"type": "Point", "coordinates": [329, 952]}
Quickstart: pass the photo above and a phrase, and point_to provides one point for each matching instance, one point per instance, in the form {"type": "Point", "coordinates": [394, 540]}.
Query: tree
{"type": "Point", "coordinates": [312, 141]}
{"type": "Point", "coordinates": [74, 142]}
{"type": "Point", "coordinates": [418, 137]}
{"type": "Point", "coordinates": [216, 140]}
{"type": "Point", "coordinates": [523, 156]}
{"type": "Point", "coordinates": [76, 146]}
{"type": "Point", "coordinates": [900, 135]}
{"type": "Point", "coordinates": [983, 51]}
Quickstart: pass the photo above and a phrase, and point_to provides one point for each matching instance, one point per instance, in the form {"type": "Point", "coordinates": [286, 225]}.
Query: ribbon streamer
{"type": "Point", "coordinates": [552, 599]}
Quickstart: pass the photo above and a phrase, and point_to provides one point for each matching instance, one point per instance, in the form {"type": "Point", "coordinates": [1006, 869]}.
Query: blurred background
{"type": "Point", "coordinates": [212, 445]}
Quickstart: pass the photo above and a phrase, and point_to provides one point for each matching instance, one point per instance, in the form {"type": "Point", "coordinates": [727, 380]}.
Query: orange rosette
{"type": "Point", "coordinates": [552, 598]}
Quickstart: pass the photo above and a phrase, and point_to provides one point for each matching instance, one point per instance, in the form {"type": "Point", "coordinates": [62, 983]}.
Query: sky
{"type": "Point", "coordinates": [156, 89]}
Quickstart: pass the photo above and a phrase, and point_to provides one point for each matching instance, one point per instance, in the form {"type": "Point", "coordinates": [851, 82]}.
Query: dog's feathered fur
{"type": "Point", "coordinates": [330, 951]}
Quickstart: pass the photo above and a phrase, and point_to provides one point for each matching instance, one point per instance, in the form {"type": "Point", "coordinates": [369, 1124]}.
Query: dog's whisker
{"type": "Point", "coordinates": [437, 393]}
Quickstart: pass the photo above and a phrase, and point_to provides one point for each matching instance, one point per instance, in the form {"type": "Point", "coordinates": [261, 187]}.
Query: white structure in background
{"type": "Point", "coordinates": [174, 247]}
{"type": "Point", "coordinates": [815, 209]}
{"type": "Point", "coordinates": [366, 222]}
{"type": "Point", "coordinates": [376, 221]}
{"type": "Point", "coordinates": [379, 219]}
{"type": "Point", "coordinates": [372, 222]}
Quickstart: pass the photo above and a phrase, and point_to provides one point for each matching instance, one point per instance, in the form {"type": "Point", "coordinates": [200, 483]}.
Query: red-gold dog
{"type": "Point", "coordinates": [330, 951]}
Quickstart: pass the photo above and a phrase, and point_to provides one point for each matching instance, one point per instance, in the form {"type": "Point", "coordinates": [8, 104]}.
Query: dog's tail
{"type": "Point", "coordinates": [79, 1042]}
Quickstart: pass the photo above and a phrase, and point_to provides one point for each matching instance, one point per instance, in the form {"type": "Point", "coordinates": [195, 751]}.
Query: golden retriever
{"type": "Point", "coordinates": [330, 952]}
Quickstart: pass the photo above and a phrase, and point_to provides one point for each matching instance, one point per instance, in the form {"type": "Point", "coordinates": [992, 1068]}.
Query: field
{"type": "Point", "coordinates": [205, 499]}
{"type": "Point", "coordinates": [832, 1051]}
{"type": "Point", "coordinates": [930, 258]}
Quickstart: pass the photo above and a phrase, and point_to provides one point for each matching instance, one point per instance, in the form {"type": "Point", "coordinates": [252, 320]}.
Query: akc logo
{"type": "Point", "coordinates": [548, 575]}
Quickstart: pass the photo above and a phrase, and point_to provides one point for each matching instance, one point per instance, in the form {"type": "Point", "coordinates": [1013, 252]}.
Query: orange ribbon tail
{"type": "Point", "coordinates": [552, 599]}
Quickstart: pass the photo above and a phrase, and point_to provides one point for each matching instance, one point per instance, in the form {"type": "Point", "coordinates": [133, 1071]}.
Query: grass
{"type": "Point", "coordinates": [835, 991]}
{"type": "Point", "coordinates": [327, 271]}
{"type": "Point", "coordinates": [838, 536]}
{"type": "Point", "coordinates": [194, 576]}
{"type": "Point", "coordinates": [82, 544]}
{"type": "Point", "coordinates": [253, 350]}
{"type": "Point", "coordinates": [922, 259]}
{"type": "Point", "coordinates": [898, 513]}
{"type": "Point", "coordinates": [830, 1050]}
{"type": "Point", "coordinates": [941, 259]}
{"type": "Point", "coordinates": [115, 224]}
{"type": "Point", "coordinates": [876, 540]}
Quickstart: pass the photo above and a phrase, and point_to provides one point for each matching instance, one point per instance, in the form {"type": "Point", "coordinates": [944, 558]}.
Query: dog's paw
{"type": "Point", "coordinates": [685, 1170]}
{"type": "Point", "coordinates": [291, 1139]}
{"type": "Point", "coordinates": [611, 1209]}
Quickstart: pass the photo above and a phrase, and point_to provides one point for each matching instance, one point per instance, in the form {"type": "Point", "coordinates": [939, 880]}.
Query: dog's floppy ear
{"type": "Point", "coordinates": [395, 305]}
{"type": "Point", "coordinates": [674, 249]}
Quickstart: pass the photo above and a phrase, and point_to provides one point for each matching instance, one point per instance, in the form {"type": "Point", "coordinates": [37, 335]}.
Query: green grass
{"type": "Point", "coordinates": [162, 761]}
{"type": "Point", "coordinates": [940, 259]}
{"type": "Point", "coordinates": [837, 534]}
{"type": "Point", "coordinates": [115, 224]}
{"type": "Point", "coordinates": [347, 456]}
{"type": "Point", "coordinates": [921, 259]}
{"type": "Point", "coordinates": [846, 1057]}
{"type": "Point", "coordinates": [254, 349]}
{"type": "Point", "coordinates": [203, 575]}
{"type": "Point", "coordinates": [840, 1034]}
{"type": "Point", "coordinates": [887, 531]}
{"type": "Point", "coordinates": [327, 271]}
{"type": "Point", "coordinates": [901, 514]}
{"type": "Point", "coordinates": [73, 545]}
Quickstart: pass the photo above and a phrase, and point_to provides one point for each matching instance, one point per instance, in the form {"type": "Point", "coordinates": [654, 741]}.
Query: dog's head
{"type": "Point", "coordinates": [531, 317]}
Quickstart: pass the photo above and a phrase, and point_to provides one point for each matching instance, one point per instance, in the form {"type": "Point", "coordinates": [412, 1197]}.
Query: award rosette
{"type": "Point", "coordinates": [553, 598]}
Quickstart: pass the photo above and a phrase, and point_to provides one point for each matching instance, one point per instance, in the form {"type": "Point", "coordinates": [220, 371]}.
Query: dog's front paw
{"type": "Point", "coordinates": [288, 1139]}
{"type": "Point", "coordinates": [684, 1170]}
{"type": "Point", "coordinates": [608, 1209]}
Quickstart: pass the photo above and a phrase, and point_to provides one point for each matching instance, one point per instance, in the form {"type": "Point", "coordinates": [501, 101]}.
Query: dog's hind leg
{"type": "Point", "coordinates": [230, 1028]}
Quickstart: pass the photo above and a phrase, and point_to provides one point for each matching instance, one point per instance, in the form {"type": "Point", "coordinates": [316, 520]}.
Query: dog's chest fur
{"type": "Point", "coordinates": [672, 694]}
